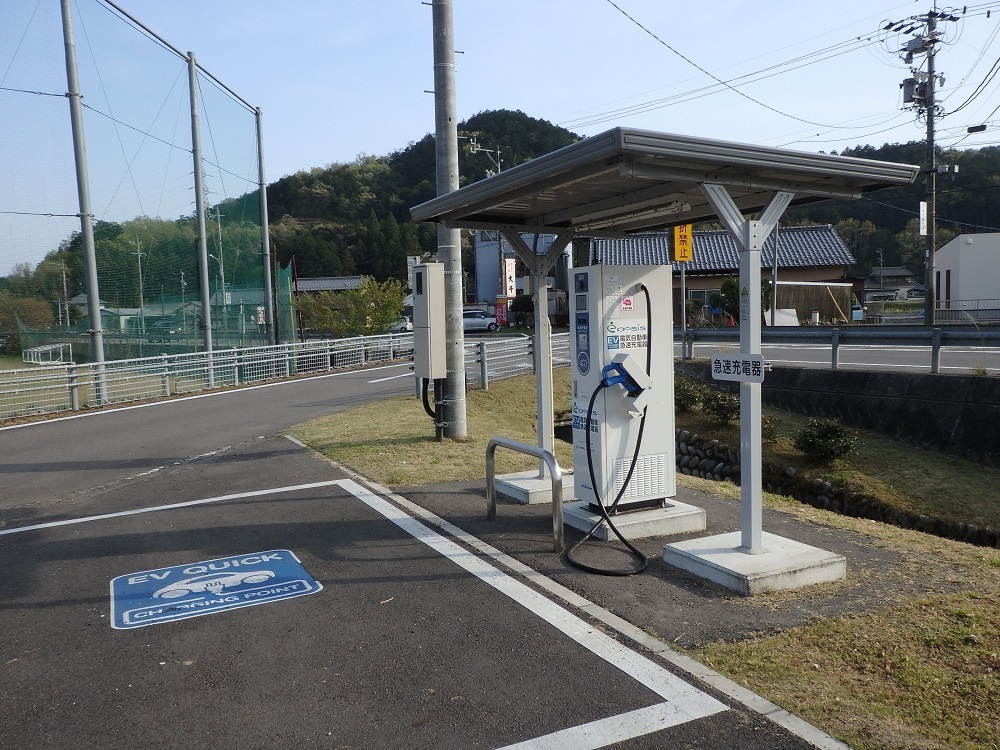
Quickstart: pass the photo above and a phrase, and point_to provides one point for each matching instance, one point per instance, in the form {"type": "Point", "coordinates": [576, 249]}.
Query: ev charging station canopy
{"type": "Point", "coordinates": [626, 181]}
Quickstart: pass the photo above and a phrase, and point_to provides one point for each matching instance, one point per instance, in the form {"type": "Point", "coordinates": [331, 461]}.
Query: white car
{"type": "Point", "coordinates": [477, 320]}
{"type": "Point", "coordinates": [403, 325]}
{"type": "Point", "coordinates": [213, 583]}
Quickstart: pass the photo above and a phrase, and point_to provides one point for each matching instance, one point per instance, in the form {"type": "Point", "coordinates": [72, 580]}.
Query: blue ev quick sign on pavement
{"type": "Point", "coordinates": [204, 588]}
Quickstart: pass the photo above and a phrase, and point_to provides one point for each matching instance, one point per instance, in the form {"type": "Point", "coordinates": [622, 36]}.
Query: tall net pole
{"type": "Point", "coordinates": [83, 189]}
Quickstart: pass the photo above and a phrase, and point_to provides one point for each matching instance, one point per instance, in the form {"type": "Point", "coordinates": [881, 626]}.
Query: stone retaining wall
{"type": "Point", "coordinates": [957, 414]}
{"type": "Point", "coordinates": [710, 459]}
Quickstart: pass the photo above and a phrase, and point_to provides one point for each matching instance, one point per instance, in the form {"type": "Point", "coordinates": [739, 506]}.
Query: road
{"type": "Point", "coordinates": [954, 360]}
{"type": "Point", "coordinates": [398, 637]}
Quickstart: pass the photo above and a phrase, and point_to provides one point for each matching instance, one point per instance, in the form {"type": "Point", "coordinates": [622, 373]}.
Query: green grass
{"type": "Point", "coordinates": [11, 362]}
{"type": "Point", "coordinates": [402, 451]}
{"type": "Point", "coordinates": [919, 675]}
{"type": "Point", "coordinates": [899, 475]}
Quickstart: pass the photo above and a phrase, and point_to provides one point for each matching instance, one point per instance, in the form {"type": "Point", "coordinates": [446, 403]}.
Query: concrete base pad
{"type": "Point", "coordinates": [784, 563]}
{"type": "Point", "coordinates": [679, 518]}
{"type": "Point", "coordinates": [526, 487]}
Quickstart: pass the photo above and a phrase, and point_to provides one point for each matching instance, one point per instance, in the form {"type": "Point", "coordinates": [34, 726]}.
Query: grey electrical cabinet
{"type": "Point", "coordinates": [429, 359]}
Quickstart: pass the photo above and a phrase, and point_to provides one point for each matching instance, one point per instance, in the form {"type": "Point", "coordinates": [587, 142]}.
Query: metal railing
{"type": "Point", "coordinates": [493, 359]}
{"type": "Point", "coordinates": [835, 337]}
{"type": "Point", "coordinates": [555, 473]}
{"type": "Point", "coordinates": [70, 387]}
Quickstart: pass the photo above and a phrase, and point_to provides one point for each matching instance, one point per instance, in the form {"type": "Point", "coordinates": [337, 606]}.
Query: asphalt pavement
{"type": "Point", "coordinates": [183, 575]}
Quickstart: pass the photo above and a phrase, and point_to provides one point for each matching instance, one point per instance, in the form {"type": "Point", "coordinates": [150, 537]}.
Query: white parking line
{"type": "Point", "coordinates": [607, 731]}
{"type": "Point", "coordinates": [172, 506]}
{"type": "Point", "coordinates": [393, 377]}
{"type": "Point", "coordinates": [684, 701]}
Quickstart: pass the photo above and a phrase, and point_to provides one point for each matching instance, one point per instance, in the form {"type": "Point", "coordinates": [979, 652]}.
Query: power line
{"type": "Point", "coordinates": [714, 77]}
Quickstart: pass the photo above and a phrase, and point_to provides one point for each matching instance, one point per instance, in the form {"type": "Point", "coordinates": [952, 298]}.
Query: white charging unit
{"type": "Point", "coordinates": [609, 319]}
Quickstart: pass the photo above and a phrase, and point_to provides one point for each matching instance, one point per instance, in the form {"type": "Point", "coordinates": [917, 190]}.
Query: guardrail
{"type": "Point", "coordinates": [835, 337]}
{"type": "Point", "coordinates": [554, 472]}
{"type": "Point", "coordinates": [497, 358]}
{"type": "Point", "coordinates": [70, 387]}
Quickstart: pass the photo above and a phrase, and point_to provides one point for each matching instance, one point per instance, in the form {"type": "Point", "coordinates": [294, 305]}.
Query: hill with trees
{"type": "Point", "coordinates": [346, 219]}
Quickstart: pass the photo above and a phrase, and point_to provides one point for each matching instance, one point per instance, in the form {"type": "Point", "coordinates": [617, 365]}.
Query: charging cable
{"type": "Point", "coordinates": [612, 375]}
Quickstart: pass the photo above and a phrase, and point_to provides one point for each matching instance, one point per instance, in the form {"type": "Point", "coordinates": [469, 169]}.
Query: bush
{"type": "Point", "coordinates": [770, 426]}
{"type": "Point", "coordinates": [825, 439]}
{"type": "Point", "coordinates": [723, 407]}
{"type": "Point", "coordinates": [688, 394]}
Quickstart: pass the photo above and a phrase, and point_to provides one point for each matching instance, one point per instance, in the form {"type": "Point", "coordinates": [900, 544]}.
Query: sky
{"type": "Point", "coordinates": [336, 80]}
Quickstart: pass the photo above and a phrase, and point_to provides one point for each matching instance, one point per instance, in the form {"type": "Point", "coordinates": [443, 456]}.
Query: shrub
{"type": "Point", "coordinates": [688, 393]}
{"type": "Point", "coordinates": [825, 439]}
{"type": "Point", "coordinates": [770, 426]}
{"type": "Point", "coordinates": [723, 407]}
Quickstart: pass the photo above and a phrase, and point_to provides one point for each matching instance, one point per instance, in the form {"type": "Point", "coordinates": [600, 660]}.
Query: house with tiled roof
{"type": "Point", "coordinates": [807, 254]}
{"type": "Point", "coordinates": [328, 283]}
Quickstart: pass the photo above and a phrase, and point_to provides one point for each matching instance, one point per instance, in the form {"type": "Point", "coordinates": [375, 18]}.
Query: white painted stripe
{"type": "Point", "coordinates": [606, 732]}
{"type": "Point", "coordinates": [213, 394]}
{"type": "Point", "coordinates": [689, 702]}
{"type": "Point", "coordinates": [394, 377]}
{"type": "Point", "coordinates": [172, 506]}
{"type": "Point", "coordinates": [724, 685]}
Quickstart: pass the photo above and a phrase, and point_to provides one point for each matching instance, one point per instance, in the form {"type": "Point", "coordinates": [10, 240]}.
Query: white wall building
{"type": "Point", "coordinates": [967, 270]}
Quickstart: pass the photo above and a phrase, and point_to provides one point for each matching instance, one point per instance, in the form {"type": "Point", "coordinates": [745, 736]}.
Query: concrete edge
{"type": "Point", "coordinates": [747, 698]}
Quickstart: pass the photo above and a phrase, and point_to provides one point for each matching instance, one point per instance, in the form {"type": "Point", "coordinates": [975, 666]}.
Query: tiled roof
{"type": "Point", "coordinates": [715, 251]}
{"type": "Point", "coordinates": [329, 283]}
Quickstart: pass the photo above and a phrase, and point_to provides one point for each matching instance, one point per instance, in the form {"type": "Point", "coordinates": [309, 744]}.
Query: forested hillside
{"type": "Point", "coordinates": [346, 219]}
{"type": "Point", "coordinates": [354, 218]}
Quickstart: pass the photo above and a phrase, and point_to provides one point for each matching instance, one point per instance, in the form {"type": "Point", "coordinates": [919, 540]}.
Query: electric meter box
{"type": "Point", "coordinates": [609, 318]}
{"type": "Point", "coordinates": [429, 360]}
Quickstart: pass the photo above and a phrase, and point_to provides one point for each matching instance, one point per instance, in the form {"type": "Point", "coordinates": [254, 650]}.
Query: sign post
{"type": "Point", "coordinates": [683, 254]}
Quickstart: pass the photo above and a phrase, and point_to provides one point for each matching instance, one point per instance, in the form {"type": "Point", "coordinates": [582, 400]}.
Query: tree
{"type": "Point", "coordinates": [33, 312]}
{"type": "Point", "coordinates": [367, 311]}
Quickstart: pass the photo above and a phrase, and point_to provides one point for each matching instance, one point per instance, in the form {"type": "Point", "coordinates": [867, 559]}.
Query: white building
{"type": "Point", "coordinates": [487, 255]}
{"type": "Point", "coordinates": [967, 271]}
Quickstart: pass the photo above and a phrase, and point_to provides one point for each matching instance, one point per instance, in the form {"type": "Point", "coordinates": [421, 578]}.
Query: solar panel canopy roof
{"type": "Point", "coordinates": [625, 180]}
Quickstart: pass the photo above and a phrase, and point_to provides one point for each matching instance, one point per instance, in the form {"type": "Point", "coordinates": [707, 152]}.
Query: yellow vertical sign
{"type": "Point", "coordinates": [683, 244]}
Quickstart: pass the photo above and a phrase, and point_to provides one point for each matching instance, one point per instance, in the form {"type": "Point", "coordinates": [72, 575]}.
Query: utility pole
{"type": "Point", "coordinates": [449, 239]}
{"type": "Point", "coordinates": [930, 290]}
{"type": "Point", "coordinates": [86, 215]}
{"type": "Point", "coordinates": [919, 93]}
{"type": "Point", "coordinates": [65, 293]}
{"type": "Point", "coordinates": [494, 154]}
{"type": "Point", "coordinates": [142, 302]}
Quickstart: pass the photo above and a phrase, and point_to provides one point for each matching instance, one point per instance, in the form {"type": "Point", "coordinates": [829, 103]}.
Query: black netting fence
{"type": "Point", "coordinates": [138, 133]}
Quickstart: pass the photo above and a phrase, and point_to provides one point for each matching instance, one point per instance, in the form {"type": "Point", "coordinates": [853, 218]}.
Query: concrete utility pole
{"type": "Point", "coordinates": [919, 92]}
{"type": "Point", "coordinates": [86, 215]}
{"type": "Point", "coordinates": [930, 287]}
{"type": "Point", "coordinates": [199, 202]}
{"type": "Point", "coordinates": [265, 236]}
{"type": "Point", "coordinates": [142, 299]}
{"type": "Point", "coordinates": [449, 240]}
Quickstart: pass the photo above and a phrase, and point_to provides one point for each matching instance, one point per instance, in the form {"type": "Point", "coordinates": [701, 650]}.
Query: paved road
{"type": "Point", "coordinates": [954, 360]}
{"type": "Point", "coordinates": [413, 641]}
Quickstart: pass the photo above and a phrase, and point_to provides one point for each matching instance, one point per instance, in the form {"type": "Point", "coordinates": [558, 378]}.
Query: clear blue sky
{"type": "Point", "coordinates": [337, 79]}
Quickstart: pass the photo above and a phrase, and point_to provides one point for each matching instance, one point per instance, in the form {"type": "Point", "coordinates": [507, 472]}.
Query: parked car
{"type": "Point", "coordinates": [403, 325]}
{"type": "Point", "coordinates": [477, 320]}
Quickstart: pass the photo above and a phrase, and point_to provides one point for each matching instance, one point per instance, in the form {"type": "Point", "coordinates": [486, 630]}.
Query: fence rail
{"type": "Point", "coordinates": [70, 387]}
{"type": "Point", "coordinates": [933, 338]}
